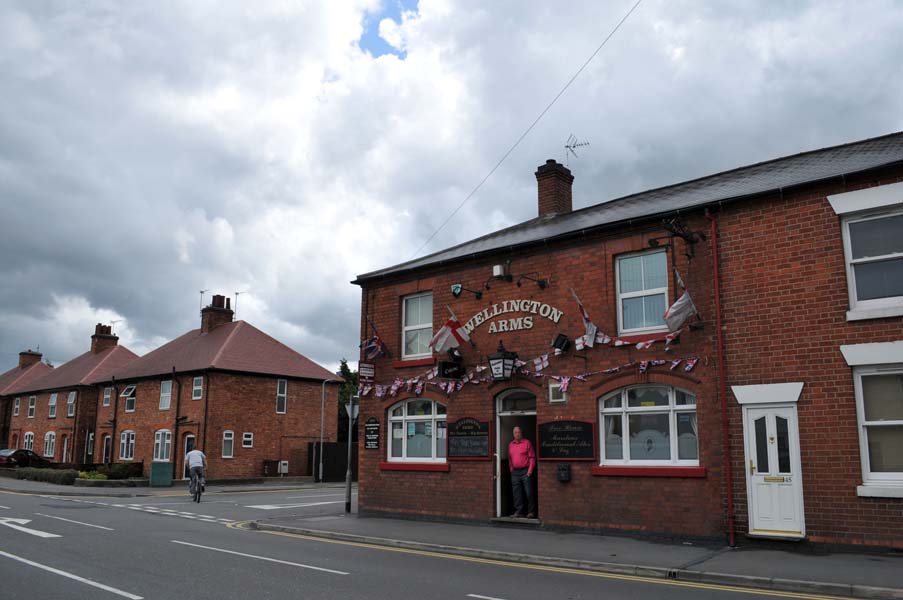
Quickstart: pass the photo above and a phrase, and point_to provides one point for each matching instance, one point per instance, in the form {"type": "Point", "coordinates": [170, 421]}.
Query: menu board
{"type": "Point", "coordinates": [468, 438]}
{"type": "Point", "coordinates": [566, 440]}
{"type": "Point", "coordinates": [371, 434]}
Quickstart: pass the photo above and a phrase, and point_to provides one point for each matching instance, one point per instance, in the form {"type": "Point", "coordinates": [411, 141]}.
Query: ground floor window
{"type": "Point", "coordinates": [127, 445]}
{"type": "Point", "coordinates": [879, 405]}
{"type": "Point", "coordinates": [49, 444]}
{"type": "Point", "coordinates": [28, 441]}
{"type": "Point", "coordinates": [649, 425]}
{"type": "Point", "coordinates": [162, 445]}
{"type": "Point", "coordinates": [417, 431]}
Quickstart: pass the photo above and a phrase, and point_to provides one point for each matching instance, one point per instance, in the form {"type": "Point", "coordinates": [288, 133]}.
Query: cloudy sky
{"type": "Point", "coordinates": [149, 150]}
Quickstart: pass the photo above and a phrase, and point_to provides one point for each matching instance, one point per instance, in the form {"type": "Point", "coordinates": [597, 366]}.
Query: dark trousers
{"type": "Point", "coordinates": [522, 486]}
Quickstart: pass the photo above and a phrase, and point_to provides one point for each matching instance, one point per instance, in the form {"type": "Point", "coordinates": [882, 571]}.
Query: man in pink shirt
{"type": "Point", "coordinates": [522, 462]}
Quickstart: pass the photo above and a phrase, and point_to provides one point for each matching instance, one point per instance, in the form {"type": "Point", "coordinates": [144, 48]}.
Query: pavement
{"type": "Point", "coordinates": [791, 568]}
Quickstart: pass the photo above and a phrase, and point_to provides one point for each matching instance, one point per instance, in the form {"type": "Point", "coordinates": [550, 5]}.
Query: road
{"type": "Point", "coordinates": [170, 548]}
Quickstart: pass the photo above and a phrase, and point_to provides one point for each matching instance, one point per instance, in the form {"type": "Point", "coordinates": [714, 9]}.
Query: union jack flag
{"type": "Point", "coordinates": [373, 348]}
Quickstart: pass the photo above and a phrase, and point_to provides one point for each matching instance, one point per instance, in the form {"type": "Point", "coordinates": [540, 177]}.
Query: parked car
{"type": "Point", "coordinates": [21, 458]}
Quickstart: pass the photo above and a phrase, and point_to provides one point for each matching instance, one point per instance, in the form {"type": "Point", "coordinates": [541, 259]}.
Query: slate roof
{"type": "Point", "coordinates": [736, 184]}
{"type": "Point", "coordinates": [20, 377]}
{"type": "Point", "coordinates": [235, 346]}
{"type": "Point", "coordinates": [85, 369]}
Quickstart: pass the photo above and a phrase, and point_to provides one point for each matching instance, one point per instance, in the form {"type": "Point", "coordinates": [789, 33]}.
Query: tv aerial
{"type": "Point", "coordinates": [571, 146]}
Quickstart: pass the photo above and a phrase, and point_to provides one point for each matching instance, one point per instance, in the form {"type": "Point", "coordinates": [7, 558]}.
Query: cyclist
{"type": "Point", "coordinates": [197, 467]}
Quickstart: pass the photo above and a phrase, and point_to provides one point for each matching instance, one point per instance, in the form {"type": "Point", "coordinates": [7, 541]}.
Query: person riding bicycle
{"type": "Point", "coordinates": [197, 466]}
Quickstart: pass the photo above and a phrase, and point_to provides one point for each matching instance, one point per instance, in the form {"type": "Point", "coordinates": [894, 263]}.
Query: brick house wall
{"type": "Point", "coordinates": [75, 429]}
{"type": "Point", "coordinates": [591, 500]}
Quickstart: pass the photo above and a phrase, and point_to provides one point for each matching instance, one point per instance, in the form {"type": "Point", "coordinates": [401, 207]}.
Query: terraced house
{"type": "Point", "coordinates": [29, 368]}
{"type": "Point", "coordinates": [718, 357]}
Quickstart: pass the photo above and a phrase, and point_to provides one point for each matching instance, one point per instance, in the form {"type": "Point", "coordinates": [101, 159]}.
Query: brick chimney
{"type": "Point", "coordinates": [218, 313]}
{"type": "Point", "coordinates": [103, 338]}
{"type": "Point", "coordinates": [28, 358]}
{"type": "Point", "coordinates": [554, 182]}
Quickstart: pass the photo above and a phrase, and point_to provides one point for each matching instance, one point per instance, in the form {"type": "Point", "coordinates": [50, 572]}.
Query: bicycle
{"type": "Point", "coordinates": [196, 487]}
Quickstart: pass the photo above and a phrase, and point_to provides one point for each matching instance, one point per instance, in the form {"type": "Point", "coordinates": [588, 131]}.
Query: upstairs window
{"type": "Point", "coordinates": [281, 396]}
{"type": "Point", "coordinates": [197, 388]}
{"type": "Point", "coordinates": [165, 394]}
{"type": "Point", "coordinates": [247, 439]}
{"type": "Point", "coordinates": [70, 405]}
{"type": "Point", "coordinates": [129, 394]}
{"type": "Point", "coordinates": [642, 282]}
{"type": "Point", "coordinates": [16, 407]}
{"type": "Point", "coordinates": [49, 444]}
{"type": "Point", "coordinates": [32, 400]}
{"type": "Point", "coordinates": [51, 407]}
{"type": "Point", "coordinates": [873, 246]}
{"type": "Point", "coordinates": [107, 394]}
{"type": "Point", "coordinates": [417, 325]}
{"type": "Point", "coordinates": [228, 444]}
{"type": "Point", "coordinates": [417, 431]}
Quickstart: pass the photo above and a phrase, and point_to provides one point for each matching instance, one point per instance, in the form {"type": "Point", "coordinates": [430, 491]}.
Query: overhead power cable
{"type": "Point", "coordinates": [528, 129]}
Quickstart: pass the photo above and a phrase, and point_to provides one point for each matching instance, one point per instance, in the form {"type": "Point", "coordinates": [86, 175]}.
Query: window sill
{"type": "Point", "coordinates": [413, 362]}
{"type": "Point", "coordinates": [641, 336]}
{"type": "Point", "coordinates": [861, 314]}
{"type": "Point", "coordinates": [624, 471]}
{"type": "Point", "coordinates": [879, 491]}
{"type": "Point", "coordinates": [412, 466]}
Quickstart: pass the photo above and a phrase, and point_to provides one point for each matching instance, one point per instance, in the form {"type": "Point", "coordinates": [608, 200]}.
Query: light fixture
{"type": "Point", "coordinates": [455, 355]}
{"type": "Point", "coordinates": [457, 288]}
{"type": "Point", "coordinates": [542, 283]}
{"type": "Point", "coordinates": [561, 342]}
{"type": "Point", "coordinates": [502, 363]}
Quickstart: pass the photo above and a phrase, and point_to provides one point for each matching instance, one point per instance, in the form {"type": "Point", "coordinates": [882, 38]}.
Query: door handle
{"type": "Point", "coordinates": [752, 467]}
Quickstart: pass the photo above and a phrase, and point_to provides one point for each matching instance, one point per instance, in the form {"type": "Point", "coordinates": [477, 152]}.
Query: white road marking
{"type": "Point", "coordinates": [483, 597]}
{"type": "Point", "coordinates": [76, 522]}
{"type": "Point", "coordinates": [275, 560]}
{"type": "Point", "coordinates": [19, 525]}
{"type": "Point", "coordinates": [278, 506]}
{"type": "Point", "coordinates": [318, 496]}
{"type": "Point", "coordinates": [90, 582]}
{"type": "Point", "coordinates": [5, 507]}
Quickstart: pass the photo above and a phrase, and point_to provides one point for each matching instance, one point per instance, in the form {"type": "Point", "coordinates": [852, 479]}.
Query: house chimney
{"type": "Point", "coordinates": [218, 313]}
{"type": "Point", "coordinates": [554, 182]}
{"type": "Point", "coordinates": [28, 358]}
{"type": "Point", "coordinates": [103, 338]}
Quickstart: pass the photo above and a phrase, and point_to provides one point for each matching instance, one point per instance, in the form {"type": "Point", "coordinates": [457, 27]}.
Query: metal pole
{"type": "Point", "coordinates": [348, 470]}
{"type": "Point", "coordinates": [322, 417]}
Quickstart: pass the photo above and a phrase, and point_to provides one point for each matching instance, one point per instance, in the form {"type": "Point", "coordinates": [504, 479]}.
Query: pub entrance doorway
{"type": "Point", "coordinates": [514, 408]}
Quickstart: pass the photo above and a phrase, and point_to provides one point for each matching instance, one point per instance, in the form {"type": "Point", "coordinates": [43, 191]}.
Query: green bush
{"type": "Point", "coordinates": [119, 470]}
{"type": "Point", "coordinates": [58, 476]}
{"type": "Point", "coordinates": [92, 475]}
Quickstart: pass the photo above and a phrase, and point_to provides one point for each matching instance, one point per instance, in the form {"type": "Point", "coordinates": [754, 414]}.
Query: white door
{"type": "Point", "coordinates": [774, 480]}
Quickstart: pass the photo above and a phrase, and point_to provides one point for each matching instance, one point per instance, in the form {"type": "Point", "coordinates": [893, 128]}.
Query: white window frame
{"type": "Point", "coordinates": [868, 477]}
{"type": "Point", "coordinates": [107, 395]}
{"type": "Point", "coordinates": [247, 439]}
{"type": "Point", "coordinates": [127, 445]}
{"type": "Point", "coordinates": [49, 444]}
{"type": "Point", "coordinates": [51, 406]}
{"type": "Point", "coordinates": [89, 448]}
{"type": "Point", "coordinates": [104, 456]}
{"type": "Point", "coordinates": [70, 404]}
{"type": "Point", "coordinates": [556, 396]}
{"type": "Point", "coordinates": [16, 404]}
{"type": "Point", "coordinates": [434, 418]}
{"type": "Point", "coordinates": [162, 445]}
{"type": "Point", "coordinates": [28, 441]}
{"type": "Point", "coordinates": [197, 388]}
{"type": "Point", "coordinates": [165, 394]}
{"type": "Point", "coordinates": [878, 307]}
{"type": "Point", "coordinates": [229, 436]}
{"type": "Point", "coordinates": [129, 393]}
{"type": "Point", "coordinates": [672, 410]}
{"type": "Point", "coordinates": [281, 396]}
{"type": "Point", "coordinates": [406, 328]}
{"type": "Point", "coordinates": [639, 294]}
{"type": "Point", "coordinates": [32, 402]}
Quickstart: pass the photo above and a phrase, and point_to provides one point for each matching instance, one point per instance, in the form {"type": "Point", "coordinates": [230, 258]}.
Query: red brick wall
{"type": "Point", "coordinates": [785, 299]}
{"type": "Point", "coordinates": [240, 403]}
{"type": "Point", "coordinates": [604, 502]}
{"type": "Point", "coordinates": [74, 428]}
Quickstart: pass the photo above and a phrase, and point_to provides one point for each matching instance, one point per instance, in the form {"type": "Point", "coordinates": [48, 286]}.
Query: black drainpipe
{"type": "Point", "coordinates": [115, 414]}
{"type": "Point", "coordinates": [175, 427]}
{"type": "Point", "coordinates": [78, 395]}
{"type": "Point", "coordinates": [206, 402]}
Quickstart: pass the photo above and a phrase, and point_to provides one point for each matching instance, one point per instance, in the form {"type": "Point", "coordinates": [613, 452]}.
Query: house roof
{"type": "Point", "coordinates": [21, 377]}
{"type": "Point", "coordinates": [85, 369]}
{"type": "Point", "coordinates": [736, 184]}
{"type": "Point", "coordinates": [235, 346]}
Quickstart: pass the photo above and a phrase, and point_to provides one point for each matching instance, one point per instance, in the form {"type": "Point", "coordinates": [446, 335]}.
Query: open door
{"type": "Point", "coordinates": [514, 408]}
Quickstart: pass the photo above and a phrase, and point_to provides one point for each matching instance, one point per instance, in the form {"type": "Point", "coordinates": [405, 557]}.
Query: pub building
{"type": "Point", "coordinates": [717, 358]}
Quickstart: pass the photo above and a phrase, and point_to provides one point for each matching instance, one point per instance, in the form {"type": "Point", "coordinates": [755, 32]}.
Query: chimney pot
{"type": "Point", "coordinates": [554, 182]}
{"type": "Point", "coordinates": [28, 358]}
{"type": "Point", "coordinates": [103, 338]}
{"type": "Point", "coordinates": [218, 313]}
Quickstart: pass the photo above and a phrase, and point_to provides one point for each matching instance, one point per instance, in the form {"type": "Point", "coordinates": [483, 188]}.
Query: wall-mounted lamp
{"type": "Point", "coordinates": [502, 363]}
{"type": "Point", "coordinates": [542, 283]}
{"type": "Point", "coordinates": [455, 355]}
{"type": "Point", "coordinates": [457, 288]}
{"type": "Point", "coordinates": [561, 342]}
